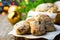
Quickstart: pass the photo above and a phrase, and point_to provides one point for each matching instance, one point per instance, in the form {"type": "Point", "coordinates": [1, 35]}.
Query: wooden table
{"type": "Point", "coordinates": [21, 38]}
{"type": "Point", "coordinates": [5, 27]}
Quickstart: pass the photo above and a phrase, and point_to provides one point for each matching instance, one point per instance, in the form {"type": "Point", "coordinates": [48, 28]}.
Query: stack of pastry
{"type": "Point", "coordinates": [41, 23]}
{"type": "Point", "coordinates": [37, 25]}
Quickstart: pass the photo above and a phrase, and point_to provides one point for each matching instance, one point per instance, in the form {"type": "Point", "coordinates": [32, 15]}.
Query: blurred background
{"type": "Point", "coordinates": [20, 8]}
{"type": "Point", "coordinates": [25, 5]}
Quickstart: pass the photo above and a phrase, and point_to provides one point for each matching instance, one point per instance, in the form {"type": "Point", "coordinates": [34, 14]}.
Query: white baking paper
{"type": "Point", "coordinates": [34, 13]}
